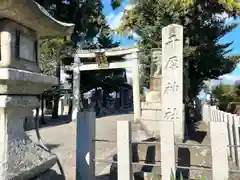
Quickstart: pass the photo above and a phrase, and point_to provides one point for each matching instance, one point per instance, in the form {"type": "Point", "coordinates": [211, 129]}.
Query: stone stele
{"type": "Point", "coordinates": [22, 24]}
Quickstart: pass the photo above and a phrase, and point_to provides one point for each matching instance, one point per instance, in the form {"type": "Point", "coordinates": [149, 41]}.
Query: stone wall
{"type": "Point", "coordinates": [150, 115]}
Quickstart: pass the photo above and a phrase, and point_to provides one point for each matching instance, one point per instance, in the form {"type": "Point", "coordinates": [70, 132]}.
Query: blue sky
{"type": "Point", "coordinates": [114, 19]}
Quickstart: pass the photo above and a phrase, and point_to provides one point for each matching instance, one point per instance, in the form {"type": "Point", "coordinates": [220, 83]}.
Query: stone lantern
{"type": "Point", "coordinates": [154, 95]}
{"type": "Point", "coordinates": [22, 24]}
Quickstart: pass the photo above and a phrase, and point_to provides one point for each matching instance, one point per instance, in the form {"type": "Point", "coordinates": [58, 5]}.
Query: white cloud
{"type": "Point", "coordinates": [229, 77]}
{"type": "Point", "coordinates": [110, 17]}
{"type": "Point", "coordinates": [128, 7]}
{"type": "Point", "coordinates": [114, 21]}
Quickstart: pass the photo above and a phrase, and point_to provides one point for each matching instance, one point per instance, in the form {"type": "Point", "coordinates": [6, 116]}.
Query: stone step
{"type": "Point", "coordinates": [192, 155]}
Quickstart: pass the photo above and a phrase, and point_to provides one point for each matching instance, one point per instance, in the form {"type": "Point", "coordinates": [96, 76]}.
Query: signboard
{"type": "Point", "coordinates": [172, 77]}
{"type": "Point", "coordinates": [101, 60]}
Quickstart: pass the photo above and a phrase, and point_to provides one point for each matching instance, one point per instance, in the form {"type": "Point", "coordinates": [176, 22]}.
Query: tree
{"type": "Point", "coordinates": [225, 94]}
{"type": "Point", "coordinates": [86, 15]}
{"type": "Point", "coordinates": [51, 53]}
{"type": "Point", "coordinates": [105, 38]}
{"type": "Point", "coordinates": [204, 57]}
{"type": "Point", "coordinates": [105, 78]}
{"type": "Point", "coordinates": [88, 19]}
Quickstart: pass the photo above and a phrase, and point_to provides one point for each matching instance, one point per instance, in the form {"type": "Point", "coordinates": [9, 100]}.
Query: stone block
{"type": "Point", "coordinates": [172, 77]}
{"type": "Point", "coordinates": [20, 157]}
{"type": "Point", "coordinates": [124, 150]}
{"type": "Point", "coordinates": [220, 167]}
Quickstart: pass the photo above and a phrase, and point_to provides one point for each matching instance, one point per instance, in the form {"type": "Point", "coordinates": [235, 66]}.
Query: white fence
{"type": "Point", "coordinates": [223, 132]}
{"type": "Point", "coordinates": [232, 122]}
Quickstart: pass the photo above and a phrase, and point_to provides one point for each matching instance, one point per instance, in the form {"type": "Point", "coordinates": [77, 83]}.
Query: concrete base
{"type": "Point", "coordinates": [20, 158]}
{"type": "Point", "coordinates": [26, 160]}
{"type": "Point", "coordinates": [153, 96]}
{"type": "Point", "coordinates": [151, 115]}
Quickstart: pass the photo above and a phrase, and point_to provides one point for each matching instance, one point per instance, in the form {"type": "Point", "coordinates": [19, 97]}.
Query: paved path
{"type": "Point", "coordinates": [61, 140]}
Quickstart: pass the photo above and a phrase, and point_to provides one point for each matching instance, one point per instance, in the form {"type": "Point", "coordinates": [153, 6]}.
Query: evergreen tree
{"type": "Point", "coordinates": [204, 57]}
{"type": "Point", "coordinates": [105, 38]}
{"type": "Point", "coordinates": [88, 19]}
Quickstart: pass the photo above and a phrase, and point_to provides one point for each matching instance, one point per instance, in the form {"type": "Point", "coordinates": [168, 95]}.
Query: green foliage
{"type": "Point", "coordinates": [90, 21]}
{"type": "Point", "coordinates": [116, 3]}
{"type": "Point", "coordinates": [105, 38]}
{"type": "Point", "coordinates": [109, 80]}
{"type": "Point", "coordinates": [174, 177]}
{"type": "Point", "coordinates": [145, 68]}
{"type": "Point", "coordinates": [51, 52]}
{"type": "Point", "coordinates": [86, 15]}
{"type": "Point", "coordinates": [204, 57]}
{"type": "Point", "coordinates": [225, 94]}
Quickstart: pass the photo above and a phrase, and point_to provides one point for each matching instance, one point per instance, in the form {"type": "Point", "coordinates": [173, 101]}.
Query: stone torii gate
{"type": "Point", "coordinates": [122, 58]}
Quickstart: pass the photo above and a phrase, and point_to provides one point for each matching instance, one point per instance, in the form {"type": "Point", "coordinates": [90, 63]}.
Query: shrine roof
{"type": "Point", "coordinates": [31, 15]}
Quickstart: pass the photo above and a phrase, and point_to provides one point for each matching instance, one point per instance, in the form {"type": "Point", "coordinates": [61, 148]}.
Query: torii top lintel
{"type": "Point", "coordinates": [33, 16]}
{"type": "Point", "coordinates": [118, 51]}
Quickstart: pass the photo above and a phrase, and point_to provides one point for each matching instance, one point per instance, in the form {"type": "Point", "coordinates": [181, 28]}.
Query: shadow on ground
{"type": "Point", "coordinates": [149, 158]}
{"type": "Point", "coordinates": [184, 161]}
{"type": "Point", "coordinates": [65, 119]}
{"type": "Point", "coordinates": [52, 146]}
{"type": "Point", "coordinates": [103, 177]}
{"type": "Point", "coordinates": [115, 114]}
{"type": "Point", "coordinates": [193, 133]}
{"type": "Point", "coordinates": [50, 175]}
{"type": "Point", "coordinates": [150, 154]}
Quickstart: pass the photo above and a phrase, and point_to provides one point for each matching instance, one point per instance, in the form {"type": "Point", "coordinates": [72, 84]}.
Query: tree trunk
{"type": "Point", "coordinates": [57, 96]}
{"type": "Point", "coordinates": [70, 106]}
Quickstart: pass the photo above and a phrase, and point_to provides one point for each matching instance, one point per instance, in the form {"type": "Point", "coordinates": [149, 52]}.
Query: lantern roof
{"type": "Point", "coordinates": [33, 16]}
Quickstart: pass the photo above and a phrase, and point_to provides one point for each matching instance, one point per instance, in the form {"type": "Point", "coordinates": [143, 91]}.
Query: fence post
{"type": "Point", "coordinates": [214, 114]}
{"type": "Point", "coordinates": [167, 149]}
{"type": "Point", "coordinates": [221, 116]}
{"type": "Point", "coordinates": [219, 142]}
{"type": "Point", "coordinates": [225, 119]}
{"type": "Point", "coordinates": [231, 139]}
{"type": "Point", "coordinates": [124, 150]}
{"type": "Point", "coordinates": [85, 153]}
{"type": "Point", "coordinates": [236, 138]}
